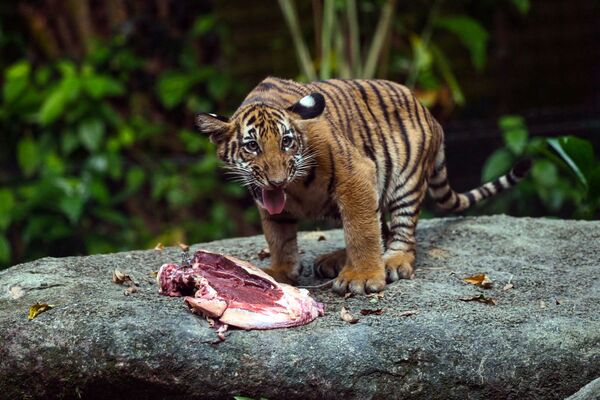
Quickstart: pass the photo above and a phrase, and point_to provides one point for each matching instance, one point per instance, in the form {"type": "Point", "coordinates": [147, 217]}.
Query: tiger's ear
{"type": "Point", "coordinates": [310, 106]}
{"type": "Point", "coordinates": [216, 126]}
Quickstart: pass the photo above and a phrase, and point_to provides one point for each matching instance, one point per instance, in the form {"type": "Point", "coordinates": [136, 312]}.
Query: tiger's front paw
{"type": "Point", "coordinates": [360, 280]}
{"type": "Point", "coordinates": [282, 275]}
{"type": "Point", "coordinates": [399, 265]}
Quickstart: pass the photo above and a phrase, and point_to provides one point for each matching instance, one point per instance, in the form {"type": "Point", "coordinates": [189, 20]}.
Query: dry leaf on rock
{"type": "Point", "coordinates": [159, 247]}
{"type": "Point", "coordinates": [153, 274]}
{"type": "Point", "coordinates": [130, 290]}
{"type": "Point", "coordinates": [348, 295]}
{"type": "Point", "coordinates": [481, 280]}
{"type": "Point", "coordinates": [368, 311]}
{"type": "Point", "coordinates": [346, 316]}
{"type": "Point", "coordinates": [321, 238]}
{"type": "Point", "coordinates": [122, 278]}
{"type": "Point", "coordinates": [264, 253]}
{"type": "Point", "coordinates": [508, 286]}
{"type": "Point", "coordinates": [37, 309]}
{"type": "Point", "coordinates": [408, 313]}
{"type": "Point", "coordinates": [481, 299]}
{"type": "Point", "coordinates": [184, 247]}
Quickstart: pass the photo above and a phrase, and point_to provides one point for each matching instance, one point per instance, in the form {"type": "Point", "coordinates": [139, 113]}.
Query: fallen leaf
{"type": "Point", "coordinates": [130, 290]}
{"type": "Point", "coordinates": [368, 311]}
{"type": "Point", "coordinates": [346, 316]}
{"type": "Point", "coordinates": [480, 280]}
{"type": "Point", "coordinates": [542, 304]}
{"type": "Point", "coordinates": [122, 278]}
{"type": "Point", "coordinates": [16, 292]}
{"type": "Point", "coordinates": [408, 313]}
{"type": "Point", "coordinates": [321, 238]}
{"type": "Point", "coordinates": [37, 309]}
{"type": "Point", "coordinates": [153, 274]}
{"type": "Point", "coordinates": [508, 286]}
{"type": "Point", "coordinates": [264, 253]}
{"type": "Point", "coordinates": [438, 253]}
{"type": "Point", "coordinates": [348, 295]}
{"type": "Point", "coordinates": [481, 299]}
{"type": "Point", "coordinates": [557, 301]}
{"type": "Point", "coordinates": [159, 247]}
{"type": "Point", "coordinates": [184, 246]}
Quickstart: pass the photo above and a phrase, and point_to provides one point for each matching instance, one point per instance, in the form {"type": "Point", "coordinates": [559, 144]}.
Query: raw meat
{"type": "Point", "coordinates": [233, 292]}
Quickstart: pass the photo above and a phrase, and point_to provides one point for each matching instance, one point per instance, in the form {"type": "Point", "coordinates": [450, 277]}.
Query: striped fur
{"type": "Point", "coordinates": [373, 151]}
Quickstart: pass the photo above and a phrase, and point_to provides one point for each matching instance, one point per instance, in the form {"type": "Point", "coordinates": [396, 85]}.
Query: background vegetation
{"type": "Point", "coordinates": [98, 151]}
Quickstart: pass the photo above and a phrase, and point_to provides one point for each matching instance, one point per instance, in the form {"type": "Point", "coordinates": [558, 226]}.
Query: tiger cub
{"type": "Point", "coordinates": [350, 149]}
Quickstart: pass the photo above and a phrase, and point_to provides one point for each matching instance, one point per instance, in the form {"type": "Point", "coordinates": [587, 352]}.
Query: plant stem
{"type": "Point", "coordinates": [326, 38]}
{"type": "Point", "coordinates": [289, 12]}
{"type": "Point", "coordinates": [383, 29]}
{"type": "Point", "coordinates": [354, 41]}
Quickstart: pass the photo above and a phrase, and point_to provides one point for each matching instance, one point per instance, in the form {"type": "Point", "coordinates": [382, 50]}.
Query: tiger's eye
{"type": "Point", "coordinates": [251, 146]}
{"type": "Point", "coordinates": [286, 141]}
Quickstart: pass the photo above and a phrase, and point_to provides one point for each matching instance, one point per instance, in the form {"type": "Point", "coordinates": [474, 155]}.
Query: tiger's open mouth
{"type": "Point", "coordinates": [273, 200]}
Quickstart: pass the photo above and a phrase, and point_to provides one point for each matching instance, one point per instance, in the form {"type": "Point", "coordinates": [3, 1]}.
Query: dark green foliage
{"type": "Point", "coordinates": [565, 177]}
{"type": "Point", "coordinates": [95, 159]}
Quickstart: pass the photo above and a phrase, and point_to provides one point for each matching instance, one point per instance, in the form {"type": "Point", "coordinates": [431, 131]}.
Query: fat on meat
{"type": "Point", "coordinates": [229, 291]}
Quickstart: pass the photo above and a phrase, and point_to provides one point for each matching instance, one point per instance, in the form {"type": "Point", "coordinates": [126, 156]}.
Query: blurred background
{"type": "Point", "coordinates": [98, 151]}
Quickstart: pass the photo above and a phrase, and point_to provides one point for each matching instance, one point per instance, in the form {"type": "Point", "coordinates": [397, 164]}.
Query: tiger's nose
{"type": "Point", "coordinates": [277, 183]}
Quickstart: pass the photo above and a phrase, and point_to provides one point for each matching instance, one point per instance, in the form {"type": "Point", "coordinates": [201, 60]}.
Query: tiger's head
{"type": "Point", "coordinates": [264, 146]}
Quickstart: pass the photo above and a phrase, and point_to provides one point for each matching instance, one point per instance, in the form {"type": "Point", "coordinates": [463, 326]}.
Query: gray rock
{"type": "Point", "coordinates": [591, 391]}
{"type": "Point", "coordinates": [541, 340]}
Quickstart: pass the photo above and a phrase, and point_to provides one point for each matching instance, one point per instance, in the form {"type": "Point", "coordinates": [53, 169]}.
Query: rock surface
{"type": "Point", "coordinates": [541, 340]}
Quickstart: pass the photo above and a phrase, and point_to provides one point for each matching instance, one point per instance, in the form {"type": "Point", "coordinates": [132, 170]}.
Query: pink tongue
{"type": "Point", "coordinates": [273, 200]}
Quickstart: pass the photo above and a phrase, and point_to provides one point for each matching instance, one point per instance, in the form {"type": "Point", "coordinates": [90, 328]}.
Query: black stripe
{"type": "Point", "coordinates": [394, 227]}
{"type": "Point", "coordinates": [445, 197]}
{"type": "Point", "coordinates": [405, 204]}
{"type": "Point", "coordinates": [387, 161]}
{"type": "Point", "coordinates": [471, 198]}
{"type": "Point", "coordinates": [439, 185]}
{"type": "Point", "coordinates": [382, 104]}
{"type": "Point", "coordinates": [345, 108]}
{"type": "Point", "coordinates": [485, 192]}
{"type": "Point", "coordinates": [497, 185]}
{"type": "Point", "coordinates": [510, 179]}
{"type": "Point", "coordinates": [456, 203]}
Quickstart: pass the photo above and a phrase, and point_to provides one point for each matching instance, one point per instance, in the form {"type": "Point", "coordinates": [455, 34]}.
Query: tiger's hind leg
{"type": "Point", "coordinates": [399, 256]}
{"type": "Point", "coordinates": [330, 264]}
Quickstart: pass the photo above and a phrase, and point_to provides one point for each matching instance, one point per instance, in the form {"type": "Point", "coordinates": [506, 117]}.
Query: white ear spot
{"type": "Point", "coordinates": [307, 101]}
{"type": "Point", "coordinates": [213, 115]}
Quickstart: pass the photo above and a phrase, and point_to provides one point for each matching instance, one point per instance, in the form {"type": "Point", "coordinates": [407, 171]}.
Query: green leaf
{"type": "Point", "coordinates": [16, 81]}
{"type": "Point", "coordinates": [516, 140]}
{"type": "Point", "coordinates": [135, 179]}
{"type": "Point", "coordinates": [545, 173]}
{"type": "Point", "coordinates": [522, 5]}
{"type": "Point", "coordinates": [202, 25]}
{"type": "Point", "coordinates": [577, 153]}
{"type": "Point", "coordinates": [7, 203]}
{"type": "Point", "coordinates": [497, 165]}
{"type": "Point", "coordinates": [52, 107]}
{"type": "Point", "coordinates": [91, 133]}
{"type": "Point", "coordinates": [28, 156]}
{"type": "Point", "coordinates": [421, 55]}
{"type": "Point", "coordinates": [71, 206]}
{"type": "Point", "coordinates": [172, 87]}
{"type": "Point", "coordinates": [4, 250]}
{"type": "Point", "coordinates": [471, 33]}
{"type": "Point", "coordinates": [98, 86]}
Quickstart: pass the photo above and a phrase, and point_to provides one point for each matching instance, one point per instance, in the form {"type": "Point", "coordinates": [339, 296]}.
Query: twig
{"type": "Point", "coordinates": [289, 12]}
{"type": "Point", "coordinates": [383, 29]}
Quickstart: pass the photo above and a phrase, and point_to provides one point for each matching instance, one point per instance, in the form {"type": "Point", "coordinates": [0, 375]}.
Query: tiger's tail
{"type": "Point", "coordinates": [447, 199]}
